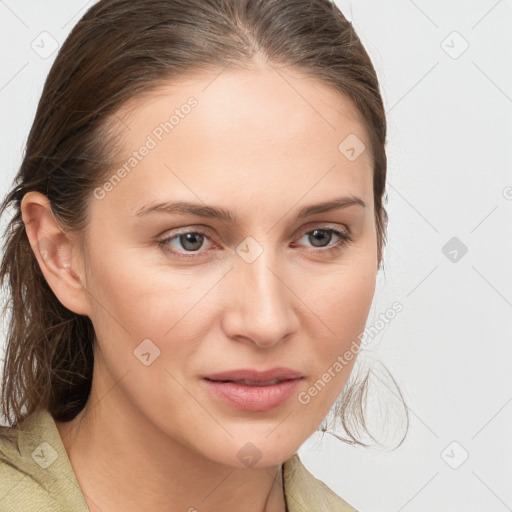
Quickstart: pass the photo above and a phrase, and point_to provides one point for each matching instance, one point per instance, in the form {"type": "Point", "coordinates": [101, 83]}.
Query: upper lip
{"type": "Point", "coordinates": [255, 375]}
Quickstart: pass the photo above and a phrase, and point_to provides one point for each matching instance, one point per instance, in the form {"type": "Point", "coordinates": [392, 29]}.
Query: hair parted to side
{"type": "Point", "coordinates": [118, 51]}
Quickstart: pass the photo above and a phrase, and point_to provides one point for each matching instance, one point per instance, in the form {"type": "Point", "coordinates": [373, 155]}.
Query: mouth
{"type": "Point", "coordinates": [252, 390]}
{"type": "Point", "coordinates": [245, 382]}
{"type": "Point", "coordinates": [255, 377]}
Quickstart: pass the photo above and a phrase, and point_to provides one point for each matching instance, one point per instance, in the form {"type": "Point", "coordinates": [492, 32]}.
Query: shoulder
{"type": "Point", "coordinates": [35, 473]}
{"type": "Point", "coordinates": [305, 493]}
{"type": "Point", "coordinates": [20, 490]}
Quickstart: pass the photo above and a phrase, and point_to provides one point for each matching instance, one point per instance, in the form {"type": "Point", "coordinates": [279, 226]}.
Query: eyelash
{"type": "Point", "coordinates": [345, 239]}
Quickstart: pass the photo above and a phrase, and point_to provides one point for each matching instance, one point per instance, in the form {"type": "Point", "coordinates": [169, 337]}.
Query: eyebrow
{"type": "Point", "coordinates": [201, 210]}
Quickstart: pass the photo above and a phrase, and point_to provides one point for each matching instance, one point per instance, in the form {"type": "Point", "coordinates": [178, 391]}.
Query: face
{"type": "Point", "coordinates": [182, 299]}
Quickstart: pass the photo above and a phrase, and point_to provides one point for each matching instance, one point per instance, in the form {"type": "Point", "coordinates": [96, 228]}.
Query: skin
{"type": "Point", "coordinates": [262, 144]}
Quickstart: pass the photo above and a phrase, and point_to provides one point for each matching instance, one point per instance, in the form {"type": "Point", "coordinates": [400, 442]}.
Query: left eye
{"type": "Point", "coordinates": [192, 241]}
{"type": "Point", "coordinates": [319, 233]}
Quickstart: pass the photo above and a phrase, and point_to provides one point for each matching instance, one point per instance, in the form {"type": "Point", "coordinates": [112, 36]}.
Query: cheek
{"type": "Point", "coordinates": [342, 308]}
{"type": "Point", "coordinates": [352, 302]}
{"type": "Point", "coordinates": [136, 294]}
{"type": "Point", "coordinates": [342, 301]}
{"type": "Point", "coordinates": [134, 301]}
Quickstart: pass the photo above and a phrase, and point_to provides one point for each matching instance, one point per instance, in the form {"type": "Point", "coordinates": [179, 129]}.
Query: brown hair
{"type": "Point", "coordinates": [116, 52]}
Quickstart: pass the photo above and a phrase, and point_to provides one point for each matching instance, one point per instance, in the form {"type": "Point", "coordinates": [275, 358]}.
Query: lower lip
{"type": "Point", "coordinates": [254, 398]}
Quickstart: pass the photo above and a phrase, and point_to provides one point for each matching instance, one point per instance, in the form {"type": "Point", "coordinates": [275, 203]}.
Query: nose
{"type": "Point", "coordinates": [260, 305]}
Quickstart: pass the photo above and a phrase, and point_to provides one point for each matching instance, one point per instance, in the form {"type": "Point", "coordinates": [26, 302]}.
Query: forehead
{"type": "Point", "coordinates": [241, 134]}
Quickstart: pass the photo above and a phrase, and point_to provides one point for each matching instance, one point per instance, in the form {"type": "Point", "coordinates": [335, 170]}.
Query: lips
{"type": "Point", "coordinates": [252, 390]}
{"type": "Point", "coordinates": [245, 382]}
{"type": "Point", "coordinates": [255, 377]}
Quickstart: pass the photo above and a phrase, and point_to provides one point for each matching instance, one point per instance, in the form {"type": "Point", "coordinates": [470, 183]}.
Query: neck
{"type": "Point", "coordinates": [122, 462]}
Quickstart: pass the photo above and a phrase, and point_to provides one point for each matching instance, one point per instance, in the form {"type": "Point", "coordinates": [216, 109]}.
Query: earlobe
{"type": "Point", "coordinates": [53, 249]}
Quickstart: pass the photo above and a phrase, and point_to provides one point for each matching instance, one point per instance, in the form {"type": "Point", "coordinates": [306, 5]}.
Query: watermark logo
{"type": "Point", "coordinates": [249, 455]}
{"type": "Point", "coordinates": [249, 249]}
{"type": "Point", "coordinates": [454, 249]}
{"type": "Point", "coordinates": [45, 455]}
{"type": "Point", "coordinates": [146, 352]}
{"type": "Point", "coordinates": [351, 147]}
{"type": "Point", "coordinates": [45, 45]}
{"type": "Point", "coordinates": [454, 45]}
{"type": "Point", "coordinates": [455, 455]}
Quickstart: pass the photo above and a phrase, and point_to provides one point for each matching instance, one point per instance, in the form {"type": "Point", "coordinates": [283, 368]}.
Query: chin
{"type": "Point", "coordinates": [252, 449]}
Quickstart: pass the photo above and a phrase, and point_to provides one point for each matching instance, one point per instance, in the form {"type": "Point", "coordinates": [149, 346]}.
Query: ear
{"type": "Point", "coordinates": [56, 252]}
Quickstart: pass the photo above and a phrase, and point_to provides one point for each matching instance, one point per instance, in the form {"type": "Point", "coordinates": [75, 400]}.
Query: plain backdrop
{"type": "Point", "coordinates": [446, 79]}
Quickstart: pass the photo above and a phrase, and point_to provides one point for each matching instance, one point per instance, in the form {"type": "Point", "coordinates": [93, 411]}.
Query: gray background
{"type": "Point", "coordinates": [450, 138]}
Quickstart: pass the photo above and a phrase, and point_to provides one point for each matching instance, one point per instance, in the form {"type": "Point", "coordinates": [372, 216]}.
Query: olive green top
{"type": "Point", "coordinates": [36, 475]}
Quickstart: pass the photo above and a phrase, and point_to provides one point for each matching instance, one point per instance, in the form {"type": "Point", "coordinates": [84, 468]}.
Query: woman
{"type": "Point", "coordinates": [198, 224]}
